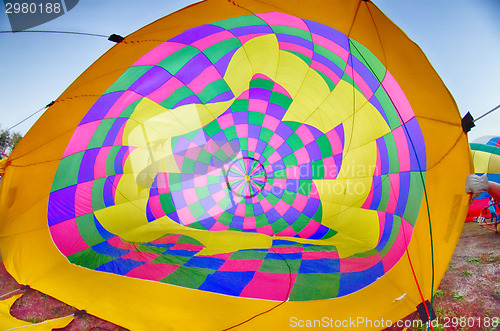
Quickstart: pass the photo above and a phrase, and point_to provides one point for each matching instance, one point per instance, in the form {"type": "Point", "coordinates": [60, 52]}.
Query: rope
{"type": "Point", "coordinates": [6, 294]}
{"type": "Point", "coordinates": [58, 32]}
{"type": "Point", "coordinates": [35, 324]}
{"type": "Point", "coordinates": [36, 112]}
{"type": "Point", "coordinates": [487, 113]}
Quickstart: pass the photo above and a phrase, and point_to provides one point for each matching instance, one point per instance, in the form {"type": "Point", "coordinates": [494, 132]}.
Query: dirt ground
{"type": "Point", "coordinates": [468, 296]}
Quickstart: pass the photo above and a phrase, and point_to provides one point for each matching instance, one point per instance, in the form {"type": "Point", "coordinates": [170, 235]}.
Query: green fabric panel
{"type": "Point", "coordinates": [128, 78]}
{"type": "Point", "coordinates": [280, 266]}
{"type": "Point", "coordinates": [280, 99]}
{"type": "Point", "coordinates": [485, 148]}
{"type": "Point", "coordinates": [88, 230]}
{"type": "Point", "coordinates": [177, 60]}
{"type": "Point", "coordinates": [282, 29]}
{"type": "Point", "coordinates": [386, 193]}
{"type": "Point", "coordinates": [166, 203]}
{"type": "Point", "coordinates": [130, 109]}
{"type": "Point", "coordinates": [178, 95]}
{"type": "Point", "coordinates": [330, 56]}
{"type": "Point", "coordinates": [255, 118]}
{"type": "Point", "coordinates": [171, 259]}
{"type": "Point", "coordinates": [212, 90]}
{"type": "Point", "coordinates": [415, 197]}
{"type": "Point", "coordinates": [370, 61]}
{"type": "Point", "coordinates": [392, 152]}
{"type": "Point", "coordinates": [197, 209]}
{"type": "Point", "coordinates": [101, 132]}
{"type": "Point", "coordinates": [262, 83]}
{"type": "Point", "coordinates": [294, 142]}
{"type": "Point", "coordinates": [345, 77]}
{"type": "Point", "coordinates": [97, 196]}
{"type": "Point", "coordinates": [217, 51]}
{"type": "Point", "coordinates": [240, 105]}
{"type": "Point", "coordinates": [110, 160]}
{"type": "Point", "coordinates": [236, 22]}
{"type": "Point", "coordinates": [300, 223]}
{"type": "Point", "coordinates": [248, 254]}
{"type": "Point", "coordinates": [67, 171]}
{"type": "Point", "coordinates": [151, 249]}
{"type": "Point", "coordinates": [389, 110]}
{"type": "Point", "coordinates": [90, 258]}
{"type": "Point", "coordinates": [315, 286]}
{"type": "Point", "coordinates": [188, 240]}
{"type": "Point", "coordinates": [324, 146]}
{"type": "Point", "coordinates": [279, 225]}
{"type": "Point", "coordinates": [396, 227]}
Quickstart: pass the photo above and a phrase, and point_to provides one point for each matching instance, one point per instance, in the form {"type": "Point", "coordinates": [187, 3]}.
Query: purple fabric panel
{"type": "Point", "coordinates": [150, 81]}
{"type": "Point", "coordinates": [61, 205]}
{"type": "Point", "coordinates": [190, 36]}
{"type": "Point", "coordinates": [328, 32]}
{"type": "Point", "coordinates": [101, 107]}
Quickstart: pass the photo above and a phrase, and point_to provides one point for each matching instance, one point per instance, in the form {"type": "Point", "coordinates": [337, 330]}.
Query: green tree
{"type": "Point", "coordinates": [8, 140]}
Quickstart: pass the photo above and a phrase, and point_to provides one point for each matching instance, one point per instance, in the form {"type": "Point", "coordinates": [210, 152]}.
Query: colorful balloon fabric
{"type": "Point", "coordinates": [243, 157]}
{"type": "Point", "coordinates": [486, 158]}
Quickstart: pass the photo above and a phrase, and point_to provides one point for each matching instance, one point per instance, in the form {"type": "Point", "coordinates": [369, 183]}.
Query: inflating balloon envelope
{"type": "Point", "coordinates": [243, 163]}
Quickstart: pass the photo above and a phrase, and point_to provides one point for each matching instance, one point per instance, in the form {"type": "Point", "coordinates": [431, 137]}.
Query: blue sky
{"type": "Point", "coordinates": [461, 38]}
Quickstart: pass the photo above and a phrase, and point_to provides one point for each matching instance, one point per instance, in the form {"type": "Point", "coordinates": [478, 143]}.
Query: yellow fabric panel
{"type": "Point", "coordinates": [494, 165]}
{"type": "Point", "coordinates": [8, 322]}
{"type": "Point", "coordinates": [481, 161]}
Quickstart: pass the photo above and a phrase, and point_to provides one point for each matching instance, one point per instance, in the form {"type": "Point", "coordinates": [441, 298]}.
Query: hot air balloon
{"type": "Point", "coordinates": [249, 164]}
{"type": "Point", "coordinates": [486, 158]}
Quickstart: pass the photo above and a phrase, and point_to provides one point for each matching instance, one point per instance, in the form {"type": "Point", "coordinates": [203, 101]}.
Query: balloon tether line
{"type": "Point", "coordinates": [487, 113]}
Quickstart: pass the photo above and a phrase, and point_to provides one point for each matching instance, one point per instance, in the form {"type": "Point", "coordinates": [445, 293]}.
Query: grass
{"type": "Point", "coordinates": [467, 273]}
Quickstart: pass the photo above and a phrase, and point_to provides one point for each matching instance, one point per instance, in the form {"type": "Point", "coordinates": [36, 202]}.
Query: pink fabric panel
{"type": "Point", "coordinates": [249, 222]}
{"type": "Point", "coordinates": [156, 208]}
{"type": "Point", "coordinates": [359, 263]}
{"type": "Point", "coordinates": [81, 138]}
{"type": "Point", "coordinates": [208, 76]}
{"type": "Point", "coordinates": [125, 100]}
{"type": "Point", "coordinates": [276, 18]}
{"type": "Point", "coordinates": [399, 246]}
{"type": "Point", "coordinates": [305, 134]}
{"type": "Point", "coordinates": [320, 255]}
{"type": "Point", "coordinates": [287, 232]}
{"type": "Point", "coordinates": [257, 105]}
{"type": "Point", "coordinates": [367, 92]}
{"type": "Point", "coordinates": [330, 45]}
{"type": "Point", "coordinates": [241, 265]}
{"type": "Point", "coordinates": [296, 48]}
{"type": "Point", "coordinates": [398, 97]}
{"type": "Point", "coordinates": [302, 156]}
{"type": "Point", "coordinates": [152, 271]}
{"type": "Point", "coordinates": [325, 70]}
{"type": "Point", "coordinates": [271, 286]}
{"type": "Point", "coordinates": [212, 39]}
{"type": "Point", "coordinates": [159, 53]}
{"type": "Point", "coordinates": [67, 237]}
{"type": "Point", "coordinates": [83, 199]}
{"type": "Point", "coordinates": [403, 151]}
{"type": "Point", "coordinates": [309, 230]}
{"type": "Point", "coordinates": [394, 194]}
{"type": "Point", "coordinates": [243, 39]}
{"type": "Point", "coordinates": [164, 91]}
